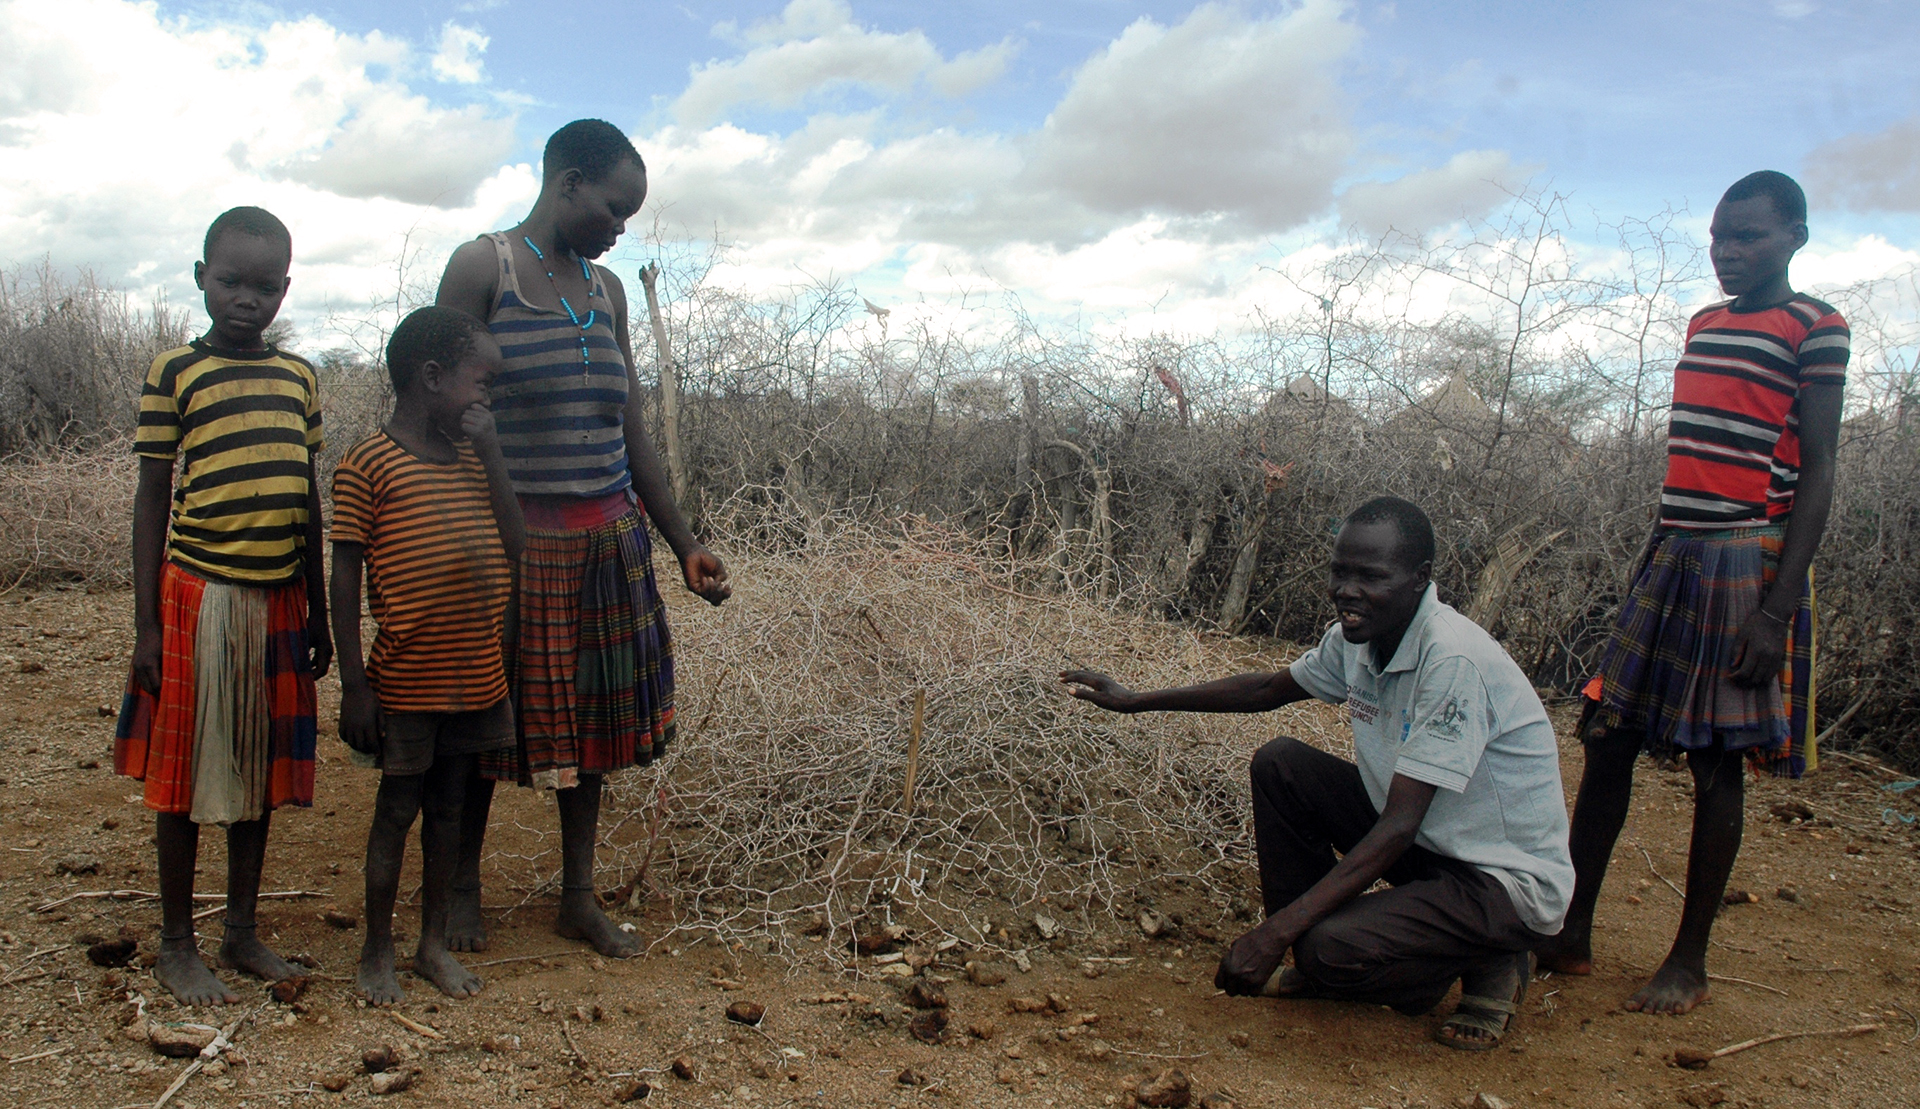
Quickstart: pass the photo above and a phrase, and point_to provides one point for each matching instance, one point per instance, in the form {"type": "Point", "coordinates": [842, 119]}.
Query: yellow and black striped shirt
{"type": "Point", "coordinates": [244, 426]}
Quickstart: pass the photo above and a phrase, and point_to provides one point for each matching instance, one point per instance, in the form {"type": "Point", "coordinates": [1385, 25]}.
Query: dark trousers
{"type": "Point", "coordinates": [1402, 947]}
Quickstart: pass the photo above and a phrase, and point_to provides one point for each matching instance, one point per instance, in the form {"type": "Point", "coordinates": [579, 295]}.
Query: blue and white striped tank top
{"type": "Point", "coordinates": [559, 418]}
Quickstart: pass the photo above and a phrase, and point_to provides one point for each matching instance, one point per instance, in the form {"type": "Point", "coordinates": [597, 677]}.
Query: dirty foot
{"type": "Point", "coordinates": [1490, 997]}
{"type": "Point", "coordinates": [378, 983]}
{"type": "Point", "coordinates": [1287, 982]}
{"type": "Point", "coordinates": [181, 970]}
{"type": "Point", "coordinates": [243, 951]}
{"type": "Point", "coordinates": [466, 929]}
{"type": "Point", "coordinates": [581, 919]}
{"type": "Point", "coordinates": [1673, 990]}
{"type": "Point", "coordinates": [444, 971]}
{"type": "Point", "coordinates": [1567, 953]}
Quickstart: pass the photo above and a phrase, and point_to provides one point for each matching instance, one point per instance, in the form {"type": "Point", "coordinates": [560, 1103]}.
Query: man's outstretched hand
{"type": "Point", "coordinates": [1096, 688]}
{"type": "Point", "coordinates": [1253, 958]}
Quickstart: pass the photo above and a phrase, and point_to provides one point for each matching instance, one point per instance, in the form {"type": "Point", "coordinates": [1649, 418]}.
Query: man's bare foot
{"type": "Point", "coordinates": [466, 929]}
{"type": "Point", "coordinates": [444, 971]}
{"type": "Point", "coordinates": [243, 951]}
{"type": "Point", "coordinates": [378, 983]}
{"type": "Point", "coordinates": [1673, 990]}
{"type": "Point", "coordinates": [1567, 953]}
{"type": "Point", "coordinates": [181, 970]}
{"type": "Point", "coordinates": [581, 919]}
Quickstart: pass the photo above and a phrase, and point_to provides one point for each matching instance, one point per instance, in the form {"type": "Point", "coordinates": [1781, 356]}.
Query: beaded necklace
{"type": "Point", "coordinates": [586, 359]}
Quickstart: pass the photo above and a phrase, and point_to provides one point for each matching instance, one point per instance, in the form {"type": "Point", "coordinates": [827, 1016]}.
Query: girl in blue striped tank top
{"type": "Point", "coordinates": [592, 664]}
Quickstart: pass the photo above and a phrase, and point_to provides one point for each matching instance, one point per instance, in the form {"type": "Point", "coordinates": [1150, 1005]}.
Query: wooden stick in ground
{"type": "Point", "coordinates": [1694, 1059]}
{"type": "Point", "coordinates": [669, 385]}
{"type": "Point", "coordinates": [143, 895]}
{"type": "Point", "coordinates": [579, 1055]}
{"type": "Point", "coordinates": [1747, 982]}
{"type": "Point", "coordinates": [412, 1025]}
{"type": "Point", "coordinates": [207, 1054]}
{"type": "Point", "coordinates": [913, 747]}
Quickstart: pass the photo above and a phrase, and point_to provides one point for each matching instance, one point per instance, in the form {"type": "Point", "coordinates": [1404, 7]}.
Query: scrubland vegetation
{"type": "Point", "coordinates": [1196, 478]}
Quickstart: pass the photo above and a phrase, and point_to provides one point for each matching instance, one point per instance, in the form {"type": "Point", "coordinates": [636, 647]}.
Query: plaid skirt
{"type": "Point", "coordinates": [1666, 666]}
{"type": "Point", "coordinates": [593, 668]}
{"type": "Point", "coordinates": [230, 735]}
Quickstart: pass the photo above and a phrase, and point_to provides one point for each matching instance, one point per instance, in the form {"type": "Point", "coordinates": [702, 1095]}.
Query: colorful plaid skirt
{"type": "Point", "coordinates": [1666, 666]}
{"type": "Point", "coordinates": [230, 735]}
{"type": "Point", "coordinates": [593, 673]}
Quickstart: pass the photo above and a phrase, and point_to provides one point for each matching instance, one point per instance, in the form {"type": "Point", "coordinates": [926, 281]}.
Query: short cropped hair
{"type": "Point", "coordinates": [246, 220]}
{"type": "Point", "coordinates": [592, 146]}
{"type": "Point", "coordinates": [432, 334]}
{"type": "Point", "coordinates": [1415, 530]}
{"type": "Point", "coordinates": [1789, 200]}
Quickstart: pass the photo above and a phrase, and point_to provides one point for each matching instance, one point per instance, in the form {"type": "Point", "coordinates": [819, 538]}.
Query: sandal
{"type": "Point", "coordinates": [1490, 1016]}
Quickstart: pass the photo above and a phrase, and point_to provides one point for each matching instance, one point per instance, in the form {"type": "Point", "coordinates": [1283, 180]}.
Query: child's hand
{"type": "Point", "coordinates": [705, 575]}
{"type": "Point", "coordinates": [146, 659]}
{"type": "Point", "coordinates": [360, 718]}
{"type": "Point", "coordinates": [476, 423]}
{"type": "Point", "coordinates": [1758, 651]}
{"type": "Point", "coordinates": [319, 645]}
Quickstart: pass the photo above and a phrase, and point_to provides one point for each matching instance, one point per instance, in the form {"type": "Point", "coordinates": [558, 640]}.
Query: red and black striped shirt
{"type": "Point", "coordinates": [437, 574]}
{"type": "Point", "coordinates": [1733, 448]}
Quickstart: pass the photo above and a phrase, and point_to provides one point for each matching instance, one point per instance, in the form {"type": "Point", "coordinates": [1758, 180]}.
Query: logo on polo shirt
{"type": "Point", "coordinates": [1448, 722]}
{"type": "Point", "coordinates": [1363, 710]}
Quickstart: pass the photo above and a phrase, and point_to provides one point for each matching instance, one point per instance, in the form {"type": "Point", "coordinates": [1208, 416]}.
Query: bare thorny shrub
{"type": "Point", "coordinates": [781, 810]}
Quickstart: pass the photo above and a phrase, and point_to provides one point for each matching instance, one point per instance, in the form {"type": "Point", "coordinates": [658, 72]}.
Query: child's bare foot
{"type": "Point", "coordinates": [1673, 990]}
{"type": "Point", "coordinates": [181, 970]}
{"type": "Point", "coordinates": [581, 919]}
{"type": "Point", "coordinates": [243, 951]}
{"type": "Point", "coordinates": [466, 929]}
{"type": "Point", "coordinates": [378, 982]}
{"type": "Point", "coordinates": [444, 971]}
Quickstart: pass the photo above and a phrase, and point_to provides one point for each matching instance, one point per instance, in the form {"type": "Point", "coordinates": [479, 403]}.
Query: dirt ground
{"type": "Point", "coordinates": [1829, 942]}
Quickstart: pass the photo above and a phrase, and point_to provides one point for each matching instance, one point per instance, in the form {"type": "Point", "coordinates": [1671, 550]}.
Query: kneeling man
{"type": "Point", "coordinates": [1455, 799]}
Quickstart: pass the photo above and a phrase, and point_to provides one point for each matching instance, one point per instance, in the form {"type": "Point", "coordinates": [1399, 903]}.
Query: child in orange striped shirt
{"type": "Point", "coordinates": [424, 510]}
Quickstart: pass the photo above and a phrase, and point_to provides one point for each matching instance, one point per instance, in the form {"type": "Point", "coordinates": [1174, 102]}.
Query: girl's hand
{"type": "Point", "coordinates": [1758, 651]}
{"type": "Point", "coordinates": [705, 575]}
{"type": "Point", "coordinates": [146, 658]}
{"type": "Point", "coordinates": [476, 423]}
{"type": "Point", "coordinates": [319, 645]}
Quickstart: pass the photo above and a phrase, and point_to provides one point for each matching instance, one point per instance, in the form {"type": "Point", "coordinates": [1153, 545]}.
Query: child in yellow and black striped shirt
{"type": "Point", "coordinates": [230, 616]}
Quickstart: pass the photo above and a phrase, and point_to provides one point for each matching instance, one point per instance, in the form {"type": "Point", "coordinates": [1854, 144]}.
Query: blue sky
{"type": "Point", "coordinates": [1050, 151]}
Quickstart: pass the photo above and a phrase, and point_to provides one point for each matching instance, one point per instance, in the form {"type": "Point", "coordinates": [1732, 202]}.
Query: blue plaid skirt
{"type": "Point", "coordinates": [1666, 666]}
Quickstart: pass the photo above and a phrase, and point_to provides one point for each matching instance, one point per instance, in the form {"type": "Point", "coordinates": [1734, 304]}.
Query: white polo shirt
{"type": "Point", "coordinates": [1453, 710]}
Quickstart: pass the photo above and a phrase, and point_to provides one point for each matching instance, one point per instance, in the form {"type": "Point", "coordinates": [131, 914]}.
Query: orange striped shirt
{"type": "Point", "coordinates": [437, 574]}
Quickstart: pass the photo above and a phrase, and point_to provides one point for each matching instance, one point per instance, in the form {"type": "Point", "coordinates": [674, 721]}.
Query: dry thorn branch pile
{"type": "Point", "coordinates": [65, 514]}
{"type": "Point", "coordinates": [784, 792]}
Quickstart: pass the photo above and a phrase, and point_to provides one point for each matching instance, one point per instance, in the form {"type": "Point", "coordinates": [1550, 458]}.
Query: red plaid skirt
{"type": "Point", "coordinates": [593, 673]}
{"type": "Point", "coordinates": [154, 738]}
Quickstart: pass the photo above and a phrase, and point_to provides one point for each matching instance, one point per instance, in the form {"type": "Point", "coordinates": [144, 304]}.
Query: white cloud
{"type": "Point", "coordinates": [459, 58]}
{"type": "Point", "coordinates": [1219, 116]}
{"type": "Point", "coordinates": [814, 47]}
{"type": "Point", "coordinates": [975, 69]}
{"type": "Point", "coordinates": [110, 160]}
{"type": "Point", "coordinates": [1868, 173]}
{"type": "Point", "coordinates": [1471, 184]}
